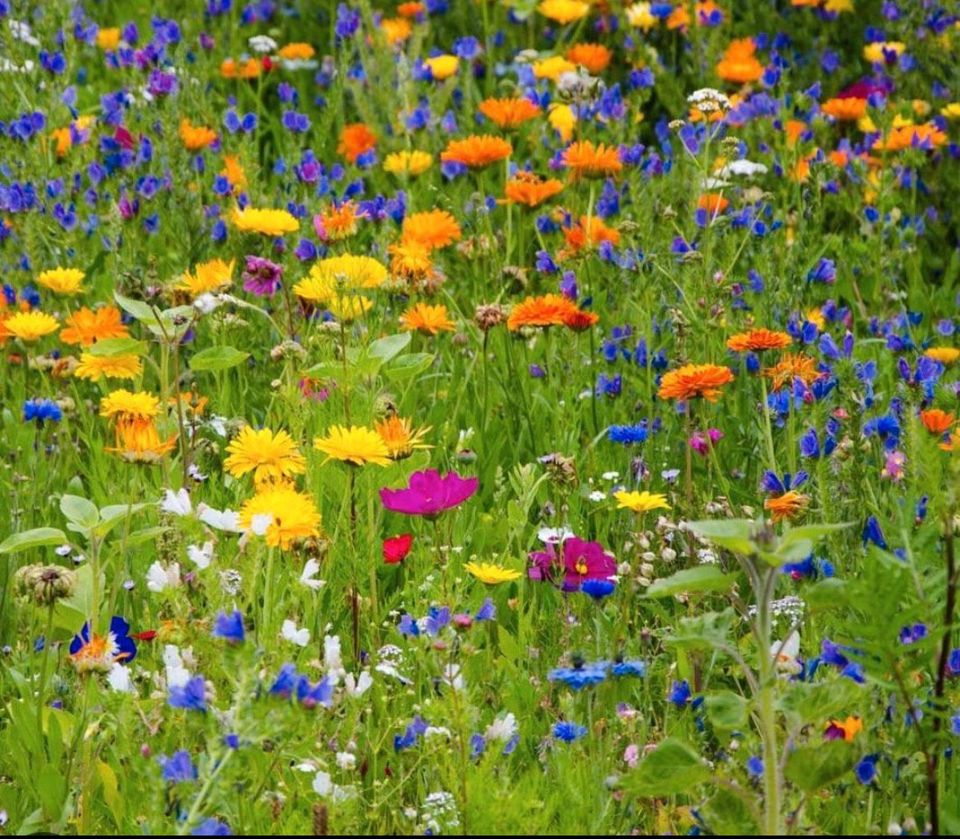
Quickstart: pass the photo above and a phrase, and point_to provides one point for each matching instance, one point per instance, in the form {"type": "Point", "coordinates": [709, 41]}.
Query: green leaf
{"type": "Point", "coordinates": [37, 538]}
{"type": "Point", "coordinates": [217, 358]}
{"type": "Point", "coordinates": [726, 709]}
{"type": "Point", "coordinates": [147, 534]}
{"type": "Point", "coordinates": [52, 790]}
{"type": "Point", "coordinates": [672, 768]}
{"type": "Point", "coordinates": [111, 790]}
{"type": "Point", "coordinates": [703, 578]}
{"type": "Point", "coordinates": [710, 631]}
{"type": "Point", "coordinates": [118, 346]}
{"type": "Point", "coordinates": [826, 594]}
{"type": "Point", "coordinates": [809, 702]}
{"type": "Point", "coordinates": [388, 348]}
{"type": "Point", "coordinates": [729, 813]}
{"type": "Point", "coordinates": [143, 312]}
{"type": "Point", "coordinates": [733, 534]}
{"type": "Point", "coordinates": [79, 511]}
{"type": "Point", "coordinates": [408, 366]}
{"type": "Point", "coordinates": [813, 767]}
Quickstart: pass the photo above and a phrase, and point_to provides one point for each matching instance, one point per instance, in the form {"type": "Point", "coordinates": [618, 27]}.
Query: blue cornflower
{"type": "Point", "coordinates": [579, 676]}
{"type": "Point", "coordinates": [41, 410]}
{"type": "Point", "coordinates": [680, 693]}
{"type": "Point", "coordinates": [627, 434]}
{"type": "Point", "coordinates": [866, 769]}
{"type": "Point", "coordinates": [212, 827]}
{"type": "Point", "coordinates": [229, 627]}
{"type": "Point", "coordinates": [568, 731]}
{"type": "Point", "coordinates": [178, 768]}
{"type": "Point", "coordinates": [630, 668]}
{"type": "Point", "coordinates": [191, 696]}
{"type": "Point", "coordinates": [598, 588]}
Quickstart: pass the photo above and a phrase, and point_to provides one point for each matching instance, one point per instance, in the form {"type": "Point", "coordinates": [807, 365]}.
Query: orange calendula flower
{"type": "Point", "coordinates": [195, 137]}
{"type": "Point", "coordinates": [759, 340]}
{"type": "Point", "coordinates": [926, 136]}
{"type": "Point", "coordinates": [297, 52]}
{"type": "Point", "coordinates": [595, 58]}
{"type": "Point", "coordinates": [428, 319]}
{"type": "Point", "coordinates": [395, 29]}
{"type": "Point", "coordinates": [695, 380]}
{"type": "Point", "coordinates": [356, 139]}
{"type": "Point", "coordinates": [945, 355]}
{"type": "Point", "coordinates": [95, 367]}
{"type": "Point", "coordinates": [508, 113]}
{"type": "Point", "coordinates": [399, 436]}
{"type": "Point", "coordinates": [590, 232]}
{"type": "Point", "coordinates": [739, 64]}
{"type": "Point", "coordinates": [248, 69]}
{"type": "Point", "coordinates": [713, 202]}
{"type": "Point", "coordinates": [787, 506]}
{"type": "Point", "coordinates": [543, 311]}
{"type": "Point", "coordinates": [433, 229]}
{"type": "Point", "coordinates": [233, 172]}
{"type": "Point", "coordinates": [585, 160]}
{"type": "Point", "coordinates": [564, 11]}
{"type": "Point", "coordinates": [477, 151]}
{"type": "Point", "coordinates": [531, 190]}
{"type": "Point", "coordinates": [412, 10]}
{"type": "Point", "coordinates": [339, 222]}
{"type": "Point", "coordinates": [793, 366]}
{"type": "Point", "coordinates": [846, 109]}
{"type": "Point", "coordinates": [86, 327]}
{"type": "Point", "coordinates": [937, 421]}
{"type": "Point", "coordinates": [580, 321]}
{"type": "Point", "coordinates": [410, 260]}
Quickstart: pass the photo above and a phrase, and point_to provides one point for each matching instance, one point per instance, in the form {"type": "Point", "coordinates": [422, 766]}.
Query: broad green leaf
{"type": "Point", "coordinates": [408, 366]}
{"type": "Point", "coordinates": [111, 790]}
{"type": "Point", "coordinates": [813, 767]}
{"type": "Point", "coordinates": [726, 709]}
{"type": "Point", "coordinates": [118, 346]}
{"type": "Point", "coordinates": [816, 702]}
{"type": "Point", "coordinates": [711, 630]}
{"type": "Point", "coordinates": [79, 511]}
{"type": "Point", "coordinates": [217, 358]}
{"type": "Point", "coordinates": [730, 813]}
{"type": "Point", "coordinates": [389, 347]}
{"type": "Point", "coordinates": [672, 768]}
{"type": "Point", "coordinates": [37, 538]}
{"type": "Point", "coordinates": [114, 514]}
{"type": "Point", "coordinates": [733, 534]}
{"type": "Point", "coordinates": [147, 534]}
{"type": "Point", "coordinates": [143, 312]}
{"type": "Point", "coordinates": [703, 578]}
{"type": "Point", "coordinates": [811, 532]}
{"type": "Point", "coordinates": [52, 790]}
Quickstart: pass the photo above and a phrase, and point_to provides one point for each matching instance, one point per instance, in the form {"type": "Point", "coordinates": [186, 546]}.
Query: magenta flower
{"type": "Point", "coordinates": [578, 561]}
{"type": "Point", "coordinates": [262, 277]}
{"type": "Point", "coordinates": [702, 442]}
{"type": "Point", "coordinates": [429, 493]}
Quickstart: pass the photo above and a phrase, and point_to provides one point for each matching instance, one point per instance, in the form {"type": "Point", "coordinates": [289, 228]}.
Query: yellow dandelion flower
{"type": "Point", "coordinates": [212, 275]}
{"type": "Point", "coordinates": [641, 502]}
{"type": "Point", "coordinates": [328, 276]}
{"type": "Point", "coordinates": [270, 456]}
{"type": "Point", "coordinates": [62, 280]}
{"type": "Point", "coordinates": [30, 326]}
{"type": "Point", "coordinates": [95, 367]}
{"type": "Point", "coordinates": [357, 445]}
{"type": "Point", "coordinates": [490, 574]}
{"type": "Point", "coordinates": [124, 405]}
{"type": "Point", "coordinates": [281, 515]}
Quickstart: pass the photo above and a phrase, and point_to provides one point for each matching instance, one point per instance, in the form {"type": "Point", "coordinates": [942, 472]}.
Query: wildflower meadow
{"type": "Point", "coordinates": [479, 417]}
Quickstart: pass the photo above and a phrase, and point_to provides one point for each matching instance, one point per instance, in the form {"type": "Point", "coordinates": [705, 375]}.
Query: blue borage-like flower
{"type": "Point", "coordinates": [413, 732]}
{"type": "Point", "coordinates": [191, 697]}
{"type": "Point", "coordinates": [441, 616]}
{"type": "Point", "coordinates": [771, 482]}
{"type": "Point", "coordinates": [289, 683]}
{"type": "Point", "coordinates": [177, 768]}
{"type": "Point", "coordinates": [229, 627]}
{"type": "Point", "coordinates": [212, 827]}
{"type": "Point", "coordinates": [568, 731]}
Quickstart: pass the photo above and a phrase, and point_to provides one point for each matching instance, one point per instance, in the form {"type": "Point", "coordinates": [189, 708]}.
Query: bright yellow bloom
{"type": "Point", "coordinates": [564, 11]}
{"type": "Point", "coordinates": [357, 445]}
{"type": "Point", "coordinates": [951, 111]}
{"type": "Point", "coordinates": [442, 66]}
{"type": "Point", "coordinates": [641, 16]}
{"type": "Point", "coordinates": [140, 442]}
{"type": "Point", "coordinates": [271, 457]}
{"type": "Point", "coordinates": [399, 436]}
{"type": "Point", "coordinates": [108, 39]}
{"type": "Point", "coordinates": [212, 275]}
{"type": "Point", "coordinates": [491, 574]}
{"type": "Point", "coordinates": [945, 355]}
{"type": "Point", "coordinates": [62, 280]}
{"type": "Point", "coordinates": [265, 222]}
{"type": "Point", "coordinates": [875, 52]}
{"type": "Point", "coordinates": [553, 67]}
{"type": "Point", "coordinates": [641, 502]}
{"type": "Point", "coordinates": [328, 276]}
{"type": "Point", "coordinates": [562, 119]}
{"type": "Point", "coordinates": [31, 326]}
{"type": "Point", "coordinates": [349, 308]}
{"type": "Point", "coordinates": [124, 405]}
{"type": "Point", "coordinates": [95, 367]}
{"type": "Point", "coordinates": [411, 163]}
{"type": "Point", "coordinates": [428, 319]}
{"type": "Point", "coordinates": [282, 515]}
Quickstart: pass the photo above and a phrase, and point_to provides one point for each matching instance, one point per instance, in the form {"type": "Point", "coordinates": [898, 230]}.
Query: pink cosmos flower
{"type": "Point", "coordinates": [429, 493]}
